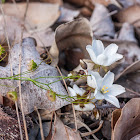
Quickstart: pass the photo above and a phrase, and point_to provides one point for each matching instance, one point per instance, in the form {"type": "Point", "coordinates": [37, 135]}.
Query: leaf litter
{"type": "Point", "coordinates": [60, 32]}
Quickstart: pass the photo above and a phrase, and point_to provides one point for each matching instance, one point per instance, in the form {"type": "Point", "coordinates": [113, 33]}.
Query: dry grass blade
{"type": "Point", "coordinates": [20, 129]}
{"type": "Point", "coordinates": [40, 123]}
{"type": "Point", "coordinates": [21, 104]}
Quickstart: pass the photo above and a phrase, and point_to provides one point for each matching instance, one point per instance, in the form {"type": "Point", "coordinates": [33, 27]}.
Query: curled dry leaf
{"type": "Point", "coordinates": [101, 22]}
{"type": "Point", "coordinates": [128, 124]}
{"type": "Point", "coordinates": [65, 133]}
{"type": "Point", "coordinates": [130, 15]}
{"type": "Point", "coordinates": [71, 37]}
{"type": "Point", "coordinates": [39, 18]}
{"type": "Point", "coordinates": [32, 95]}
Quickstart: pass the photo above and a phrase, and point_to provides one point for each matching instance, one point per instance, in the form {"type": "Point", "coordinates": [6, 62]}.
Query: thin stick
{"type": "Point", "coordinates": [69, 95]}
{"type": "Point", "coordinates": [21, 103]}
{"type": "Point", "coordinates": [40, 123]}
{"type": "Point", "coordinates": [83, 124]}
{"type": "Point", "coordinates": [94, 131]}
{"type": "Point", "coordinates": [20, 129]}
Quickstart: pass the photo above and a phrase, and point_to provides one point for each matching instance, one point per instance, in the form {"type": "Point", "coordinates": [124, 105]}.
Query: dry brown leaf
{"type": "Point", "coordinates": [128, 3]}
{"type": "Point", "coordinates": [63, 132]}
{"type": "Point", "coordinates": [71, 36]}
{"type": "Point", "coordinates": [43, 38]}
{"type": "Point", "coordinates": [101, 23]}
{"type": "Point", "coordinates": [127, 33]}
{"type": "Point", "coordinates": [39, 15]}
{"type": "Point", "coordinates": [130, 15]}
{"type": "Point", "coordinates": [132, 68]}
{"type": "Point", "coordinates": [128, 124]}
{"type": "Point", "coordinates": [32, 95]}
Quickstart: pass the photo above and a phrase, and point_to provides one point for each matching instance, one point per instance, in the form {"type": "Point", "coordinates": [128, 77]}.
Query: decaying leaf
{"type": "Point", "coordinates": [32, 95]}
{"type": "Point", "coordinates": [127, 33]}
{"type": "Point", "coordinates": [128, 3]}
{"type": "Point", "coordinates": [71, 37]}
{"type": "Point", "coordinates": [65, 133]}
{"type": "Point", "coordinates": [39, 18]}
{"type": "Point", "coordinates": [67, 14]}
{"type": "Point", "coordinates": [132, 68]}
{"type": "Point", "coordinates": [101, 23]}
{"type": "Point", "coordinates": [130, 15]}
{"type": "Point", "coordinates": [128, 124]}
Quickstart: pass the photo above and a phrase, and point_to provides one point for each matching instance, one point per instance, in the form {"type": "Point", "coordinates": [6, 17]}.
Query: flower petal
{"type": "Point", "coordinates": [77, 107]}
{"type": "Point", "coordinates": [116, 90]}
{"type": "Point", "coordinates": [97, 47]}
{"type": "Point", "coordinates": [97, 79]}
{"type": "Point", "coordinates": [91, 53]}
{"type": "Point", "coordinates": [101, 59]}
{"type": "Point", "coordinates": [88, 107]}
{"type": "Point", "coordinates": [110, 49]}
{"type": "Point", "coordinates": [108, 79]}
{"type": "Point", "coordinates": [91, 82]}
{"type": "Point", "coordinates": [98, 95]}
{"type": "Point", "coordinates": [113, 100]}
{"type": "Point", "coordinates": [71, 91]}
{"type": "Point", "coordinates": [112, 59]}
{"type": "Point", "coordinates": [78, 90]}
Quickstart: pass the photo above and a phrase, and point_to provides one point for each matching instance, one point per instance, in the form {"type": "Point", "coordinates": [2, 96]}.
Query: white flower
{"type": "Point", "coordinates": [101, 56]}
{"type": "Point", "coordinates": [104, 87]}
{"type": "Point", "coordinates": [79, 91]}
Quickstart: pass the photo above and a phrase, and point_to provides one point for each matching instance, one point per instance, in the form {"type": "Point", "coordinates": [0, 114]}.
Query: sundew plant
{"type": "Point", "coordinates": [96, 88]}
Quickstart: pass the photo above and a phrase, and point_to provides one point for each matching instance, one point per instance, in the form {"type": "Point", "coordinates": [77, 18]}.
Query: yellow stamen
{"type": "Point", "coordinates": [104, 89]}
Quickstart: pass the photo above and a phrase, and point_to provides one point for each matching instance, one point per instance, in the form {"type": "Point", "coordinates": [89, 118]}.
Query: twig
{"type": "Point", "coordinates": [94, 131]}
{"type": "Point", "coordinates": [83, 124]}
{"type": "Point", "coordinates": [20, 129]}
{"type": "Point", "coordinates": [69, 95]}
{"type": "Point", "coordinates": [21, 103]}
{"type": "Point", "coordinates": [40, 123]}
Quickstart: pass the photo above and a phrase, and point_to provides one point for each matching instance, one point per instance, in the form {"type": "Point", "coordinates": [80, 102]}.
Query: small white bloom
{"type": "Point", "coordinates": [79, 91]}
{"type": "Point", "coordinates": [101, 56]}
{"type": "Point", "coordinates": [104, 87]}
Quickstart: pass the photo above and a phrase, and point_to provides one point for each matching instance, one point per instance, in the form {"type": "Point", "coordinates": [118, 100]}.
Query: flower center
{"type": "Point", "coordinates": [104, 90]}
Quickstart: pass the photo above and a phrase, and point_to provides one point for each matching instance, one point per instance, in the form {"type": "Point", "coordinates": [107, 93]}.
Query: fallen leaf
{"type": "Point", "coordinates": [127, 33]}
{"type": "Point", "coordinates": [128, 3]}
{"type": "Point", "coordinates": [132, 68]}
{"type": "Point", "coordinates": [35, 19]}
{"type": "Point", "coordinates": [130, 15]}
{"type": "Point", "coordinates": [101, 23]}
{"type": "Point", "coordinates": [69, 36]}
{"type": "Point", "coordinates": [32, 95]}
{"type": "Point", "coordinates": [128, 124]}
{"type": "Point", "coordinates": [65, 133]}
{"type": "Point", "coordinates": [67, 14]}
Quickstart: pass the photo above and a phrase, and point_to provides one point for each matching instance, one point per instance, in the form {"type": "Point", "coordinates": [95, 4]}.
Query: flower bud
{"type": "Point", "coordinates": [2, 50]}
{"type": "Point", "coordinates": [12, 95]}
{"type": "Point", "coordinates": [83, 64]}
{"type": "Point", "coordinates": [32, 65]}
{"type": "Point", "coordinates": [51, 95]}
